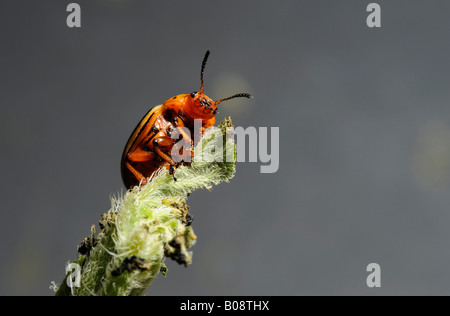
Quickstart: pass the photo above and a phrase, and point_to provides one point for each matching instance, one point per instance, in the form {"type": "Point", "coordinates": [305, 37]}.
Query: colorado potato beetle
{"type": "Point", "coordinates": [150, 145]}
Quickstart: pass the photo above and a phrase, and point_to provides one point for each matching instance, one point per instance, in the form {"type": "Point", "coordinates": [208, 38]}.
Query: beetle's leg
{"type": "Point", "coordinates": [180, 123]}
{"type": "Point", "coordinates": [161, 142]}
{"type": "Point", "coordinates": [187, 145]}
{"type": "Point", "coordinates": [187, 138]}
{"type": "Point", "coordinates": [141, 155]}
{"type": "Point", "coordinates": [139, 176]}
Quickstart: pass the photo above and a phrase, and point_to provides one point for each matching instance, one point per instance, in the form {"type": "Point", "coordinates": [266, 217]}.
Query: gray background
{"type": "Point", "coordinates": [364, 121]}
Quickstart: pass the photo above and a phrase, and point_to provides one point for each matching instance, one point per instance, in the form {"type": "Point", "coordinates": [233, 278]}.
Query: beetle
{"type": "Point", "coordinates": [149, 147]}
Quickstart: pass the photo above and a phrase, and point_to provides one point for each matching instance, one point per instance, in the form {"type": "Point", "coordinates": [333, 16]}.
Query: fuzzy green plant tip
{"type": "Point", "coordinates": [148, 224]}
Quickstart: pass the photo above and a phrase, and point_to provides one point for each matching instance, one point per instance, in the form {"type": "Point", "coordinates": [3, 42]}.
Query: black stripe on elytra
{"type": "Point", "coordinates": [140, 131]}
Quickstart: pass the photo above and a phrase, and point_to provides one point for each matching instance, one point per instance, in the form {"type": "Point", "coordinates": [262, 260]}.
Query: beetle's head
{"type": "Point", "coordinates": [199, 106]}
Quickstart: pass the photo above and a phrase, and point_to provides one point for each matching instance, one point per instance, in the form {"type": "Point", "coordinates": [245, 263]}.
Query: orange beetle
{"type": "Point", "coordinates": [150, 145]}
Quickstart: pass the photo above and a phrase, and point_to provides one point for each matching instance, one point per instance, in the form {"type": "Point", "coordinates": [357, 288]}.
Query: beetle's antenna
{"type": "Point", "coordinates": [205, 59]}
{"type": "Point", "coordinates": [239, 95]}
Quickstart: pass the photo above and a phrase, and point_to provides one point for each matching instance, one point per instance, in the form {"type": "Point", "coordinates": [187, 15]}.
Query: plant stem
{"type": "Point", "coordinates": [149, 223]}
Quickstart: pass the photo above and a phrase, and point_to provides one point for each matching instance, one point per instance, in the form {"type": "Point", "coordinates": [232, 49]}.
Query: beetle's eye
{"type": "Point", "coordinates": [193, 94]}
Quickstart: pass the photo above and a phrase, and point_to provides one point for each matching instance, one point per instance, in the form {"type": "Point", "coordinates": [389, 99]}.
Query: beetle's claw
{"type": "Point", "coordinates": [172, 172]}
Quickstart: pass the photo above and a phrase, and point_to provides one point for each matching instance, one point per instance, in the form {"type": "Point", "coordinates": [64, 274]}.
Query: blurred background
{"type": "Point", "coordinates": [364, 122]}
